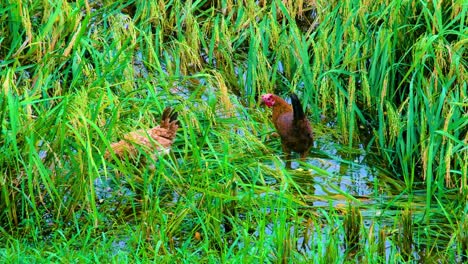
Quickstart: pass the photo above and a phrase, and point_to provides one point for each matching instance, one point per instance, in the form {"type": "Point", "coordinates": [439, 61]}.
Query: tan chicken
{"type": "Point", "coordinates": [154, 141]}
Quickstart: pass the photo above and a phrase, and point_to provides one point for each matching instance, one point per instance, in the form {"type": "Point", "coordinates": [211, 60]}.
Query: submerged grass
{"type": "Point", "coordinates": [78, 75]}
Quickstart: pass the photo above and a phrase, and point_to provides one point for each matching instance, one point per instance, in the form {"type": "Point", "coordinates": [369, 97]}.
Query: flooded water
{"type": "Point", "coordinates": [333, 181]}
{"type": "Point", "coordinates": [333, 178]}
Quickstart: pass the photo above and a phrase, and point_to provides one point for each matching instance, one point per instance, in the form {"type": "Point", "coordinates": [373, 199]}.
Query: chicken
{"type": "Point", "coordinates": [154, 141]}
{"type": "Point", "coordinates": [292, 125]}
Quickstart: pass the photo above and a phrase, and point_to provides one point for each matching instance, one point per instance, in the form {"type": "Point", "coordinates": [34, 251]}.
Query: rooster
{"type": "Point", "coordinates": [156, 140]}
{"type": "Point", "coordinates": [292, 125]}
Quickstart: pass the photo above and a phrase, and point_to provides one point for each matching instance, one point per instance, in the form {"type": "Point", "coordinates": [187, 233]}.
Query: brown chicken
{"type": "Point", "coordinates": [292, 125]}
{"type": "Point", "coordinates": [154, 141]}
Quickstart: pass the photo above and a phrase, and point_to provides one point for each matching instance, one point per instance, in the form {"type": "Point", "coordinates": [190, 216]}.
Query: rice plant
{"type": "Point", "coordinates": [384, 84]}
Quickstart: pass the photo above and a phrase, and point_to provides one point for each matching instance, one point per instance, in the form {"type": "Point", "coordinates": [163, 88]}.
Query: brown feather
{"type": "Point", "coordinates": [295, 130]}
{"type": "Point", "coordinates": [154, 140]}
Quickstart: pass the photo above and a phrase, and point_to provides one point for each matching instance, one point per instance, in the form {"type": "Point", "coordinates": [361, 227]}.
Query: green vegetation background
{"type": "Point", "coordinates": [77, 75]}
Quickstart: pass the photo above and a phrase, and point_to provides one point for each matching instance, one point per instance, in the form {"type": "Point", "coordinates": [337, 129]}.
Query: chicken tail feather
{"type": "Point", "coordinates": [297, 107]}
{"type": "Point", "coordinates": [170, 115]}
